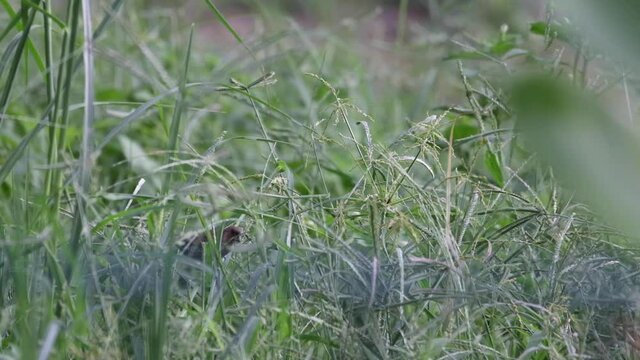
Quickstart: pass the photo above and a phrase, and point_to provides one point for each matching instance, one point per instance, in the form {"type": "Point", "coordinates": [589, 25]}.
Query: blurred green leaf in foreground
{"type": "Point", "coordinates": [590, 151]}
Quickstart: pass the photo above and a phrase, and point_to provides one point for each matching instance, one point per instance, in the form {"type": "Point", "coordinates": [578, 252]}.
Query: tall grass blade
{"type": "Point", "coordinates": [163, 288]}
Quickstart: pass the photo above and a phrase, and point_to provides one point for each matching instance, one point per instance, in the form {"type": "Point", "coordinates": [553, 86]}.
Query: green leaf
{"type": "Point", "coordinates": [503, 45]}
{"type": "Point", "coordinates": [494, 167]}
{"type": "Point", "coordinates": [282, 166]}
{"type": "Point", "coordinates": [554, 31]}
{"type": "Point", "coordinates": [589, 152]}
{"type": "Point", "coordinates": [464, 127]}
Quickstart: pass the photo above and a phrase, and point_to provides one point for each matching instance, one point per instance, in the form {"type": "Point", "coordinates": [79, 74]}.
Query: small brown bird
{"type": "Point", "coordinates": [193, 246]}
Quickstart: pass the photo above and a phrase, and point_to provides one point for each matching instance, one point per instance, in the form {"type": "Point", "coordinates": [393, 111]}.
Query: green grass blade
{"type": "Point", "coordinates": [158, 335]}
{"type": "Point", "coordinates": [224, 21]}
{"type": "Point", "coordinates": [13, 69]}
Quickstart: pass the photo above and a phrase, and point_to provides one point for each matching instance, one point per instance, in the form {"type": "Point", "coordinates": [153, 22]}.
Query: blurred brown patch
{"type": "Point", "coordinates": [193, 246]}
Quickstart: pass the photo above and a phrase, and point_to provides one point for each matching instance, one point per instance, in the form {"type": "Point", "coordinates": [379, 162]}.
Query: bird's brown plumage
{"type": "Point", "coordinates": [193, 246]}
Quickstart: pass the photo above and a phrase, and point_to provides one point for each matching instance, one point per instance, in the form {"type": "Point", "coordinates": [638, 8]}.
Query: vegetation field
{"type": "Point", "coordinates": [436, 179]}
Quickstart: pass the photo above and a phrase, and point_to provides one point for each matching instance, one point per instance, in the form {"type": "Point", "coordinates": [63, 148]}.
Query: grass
{"type": "Point", "coordinates": [389, 214]}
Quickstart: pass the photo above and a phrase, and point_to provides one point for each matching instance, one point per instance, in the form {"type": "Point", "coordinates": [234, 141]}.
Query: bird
{"type": "Point", "coordinates": [193, 245]}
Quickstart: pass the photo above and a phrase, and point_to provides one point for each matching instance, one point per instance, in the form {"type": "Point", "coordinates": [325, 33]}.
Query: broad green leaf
{"type": "Point", "coordinates": [588, 150]}
{"type": "Point", "coordinates": [492, 163]}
